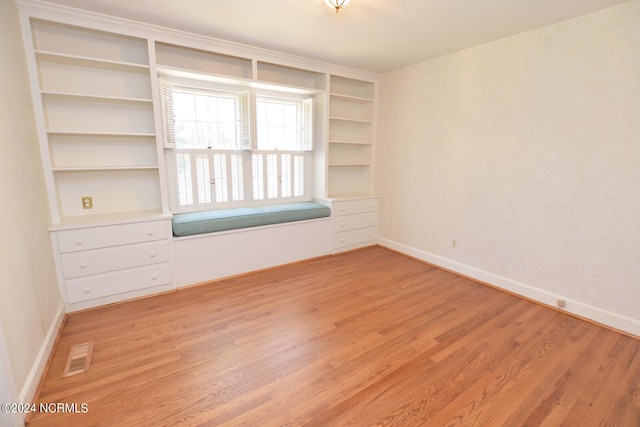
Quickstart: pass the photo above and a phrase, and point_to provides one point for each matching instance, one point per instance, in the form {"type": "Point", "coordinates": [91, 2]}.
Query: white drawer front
{"type": "Point", "coordinates": [111, 235]}
{"type": "Point", "coordinates": [355, 237]}
{"type": "Point", "coordinates": [103, 285]}
{"type": "Point", "coordinates": [349, 207]}
{"type": "Point", "coordinates": [352, 222]}
{"type": "Point", "coordinates": [85, 263]}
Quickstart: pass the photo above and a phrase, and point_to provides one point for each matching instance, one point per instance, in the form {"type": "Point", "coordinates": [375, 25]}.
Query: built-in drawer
{"type": "Point", "coordinates": [95, 261]}
{"type": "Point", "coordinates": [357, 237]}
{"type": "Point", "coordinates": [102, 285]}
{"type": "Point", "coordinates": [349, 207]}
{"type": "Point", "coordinates": [351, 222]}
{"type": "Point", "coordinates": [81, 239]}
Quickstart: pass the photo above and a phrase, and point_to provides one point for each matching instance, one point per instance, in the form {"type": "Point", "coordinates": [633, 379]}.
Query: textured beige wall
{"type": "Point", "coordinates": [526, 151]}
{"type": "Point", "coordinates": [29, 295]}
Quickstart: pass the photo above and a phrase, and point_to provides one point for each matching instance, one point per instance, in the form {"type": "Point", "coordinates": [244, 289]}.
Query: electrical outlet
{"type": "Point", "coordinates": [87, 202]}
{"type": "Point", "coordinates": [454, 243]}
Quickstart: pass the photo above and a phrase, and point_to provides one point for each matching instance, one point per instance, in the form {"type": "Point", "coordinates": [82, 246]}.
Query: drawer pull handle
{"type": "Point", "coordinates": [79, 242]}
{"type": "Point", "coordinates": [87, 290]}
{"type": "Point", "coordinates": [83, 265]}
{"type": "Point", "coordinates": [152, 254]}
{"type": "Point", "coordinates": [342, 225]}
{"type": "Point", "coordinates": [343, 210]}
{"type": "Point", "coordinates": [149, 232]}
{"type": "Point", "coordinates": [154, 276]}
{"type": "Point", "coordinates": [341, 240]}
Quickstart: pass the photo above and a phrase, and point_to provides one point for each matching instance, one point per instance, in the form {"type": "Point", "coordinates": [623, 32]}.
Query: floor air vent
{"type": "Point", "coordinates": [79, 359]}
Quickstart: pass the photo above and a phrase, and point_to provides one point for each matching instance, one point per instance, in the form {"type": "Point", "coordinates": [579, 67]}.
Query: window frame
{"type": "Point", "coordinates": [217, 93]}
{"type": "Point", "coordinates": [246, 148]}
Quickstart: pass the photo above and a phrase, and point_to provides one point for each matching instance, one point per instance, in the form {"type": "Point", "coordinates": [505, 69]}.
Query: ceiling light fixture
{"type": "Point", "coordinates": [337, 4]}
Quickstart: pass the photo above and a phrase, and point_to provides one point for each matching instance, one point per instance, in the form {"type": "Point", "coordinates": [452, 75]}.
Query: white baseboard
{"type": "Point", "coordinates": [586, 311]}
{"type": "Point", "coordinates": [30, 387]}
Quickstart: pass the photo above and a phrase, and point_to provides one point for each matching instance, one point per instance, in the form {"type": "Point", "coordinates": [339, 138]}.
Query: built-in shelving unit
{"type": "Point", "coordinates": [351, 116]}
{"type": "Point", "coordinates": [355, 211]}
{"type": "Point", "coordinates": [96, 114]}
{"type": "Point", "coordinates": [97, 94]}
{"type": "Point", "coordinates": [97, 111]}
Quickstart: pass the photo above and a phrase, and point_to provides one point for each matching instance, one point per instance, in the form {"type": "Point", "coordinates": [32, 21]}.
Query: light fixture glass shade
{"type": "Point", "coordinates": [337, 4]}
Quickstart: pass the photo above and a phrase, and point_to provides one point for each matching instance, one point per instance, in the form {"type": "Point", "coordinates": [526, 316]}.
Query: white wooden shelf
{"type": "Point", "coordinates": [102, 168]}
{"type": "Point", "coordinates": [100, 98]}
{"type": "Point", "coordinates": [353, 120]}
{"type": "Point", "coordinates": [185, 73]}
{"type": "Point", "coordinates": [333, 141]}
{"type": "Point", "coordinates": [349, 164]}
{"type": "Point", "coordinates": [350, 98]}
{"type": "Point", "coordinates": [98, 220]}
{"type": "Point", "coordinates": [92, 62]}
{"type": "Point", "coordinates": [90, 133]}
{"type": "Point", "coordinates": [336, 197]}
{"type": "Point", "coordinates": [301, 90]}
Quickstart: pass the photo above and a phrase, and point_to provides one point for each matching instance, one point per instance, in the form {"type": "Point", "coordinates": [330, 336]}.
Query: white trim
{"type": "Point", "coordinates": [28, 392]}
{"type": "Point", "coordinates": [604, 317]}
{"type": "Point", "coordinates": [8, 391]}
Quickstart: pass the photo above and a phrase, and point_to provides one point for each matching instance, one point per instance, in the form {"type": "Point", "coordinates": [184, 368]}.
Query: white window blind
{"type": "Point", "coordinates": [307, 124]}
{"type": "Point", "coordinates": [209, 179]}
{"type": "Point", "coordinates": [214, 179]}
{"type": "Point", "coordinates": [244, 122]}
{"type": "Point", "coordinates": [168, 115]}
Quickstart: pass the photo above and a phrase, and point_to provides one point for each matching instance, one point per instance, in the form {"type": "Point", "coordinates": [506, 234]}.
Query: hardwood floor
{"type": "Point", "coordinates": [370, 337]}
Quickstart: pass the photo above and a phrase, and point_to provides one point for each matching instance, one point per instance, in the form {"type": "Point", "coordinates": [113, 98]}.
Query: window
{"type": "Point", "coordinates": [204, 120]}
{"type": "Point", "coordinates": [279, 124]}
{"type": "Point", "coordinates": [215, 162]}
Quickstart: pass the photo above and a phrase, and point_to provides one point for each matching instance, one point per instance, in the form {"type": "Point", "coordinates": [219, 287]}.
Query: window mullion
{"type": "Point", "coordinates": [227, 159]}
{"type": "Point", "coordinates": [212, 178]}
{"type": "Point", "coordinates": [279, 171]}
{"type": "Point", "coordinates": [194, 178]}
{"type": "Point", "coordinates": [280, 177]}
{"type": "Point", "coordinates": [247, 165]}
{"type": "Point", "coordinates": [291, 175]}
{"type": "Point", "coordinates": [265, 174]}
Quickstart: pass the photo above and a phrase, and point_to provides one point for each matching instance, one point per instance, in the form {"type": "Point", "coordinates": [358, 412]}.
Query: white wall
{"type": "Point", "coordinates": [526, 151]}
{"type": "Point", "coordinates": [30, 306]}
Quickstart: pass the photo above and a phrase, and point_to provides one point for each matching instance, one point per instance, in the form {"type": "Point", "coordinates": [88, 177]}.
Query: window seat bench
{"type": "Point", "coordinates": [188, 224]}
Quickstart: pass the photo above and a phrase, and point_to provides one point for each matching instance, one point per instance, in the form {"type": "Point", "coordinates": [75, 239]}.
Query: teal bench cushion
{"type": "Point", "coordinates": [187, 224]}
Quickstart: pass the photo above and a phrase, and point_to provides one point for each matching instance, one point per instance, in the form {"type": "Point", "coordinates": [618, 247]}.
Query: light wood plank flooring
{"type": "Point", "coordinates": [370, 337]}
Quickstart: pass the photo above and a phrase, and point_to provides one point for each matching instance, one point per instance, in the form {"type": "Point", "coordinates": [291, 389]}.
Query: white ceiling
{"type": "Point", "coordinates": [372, 35]}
